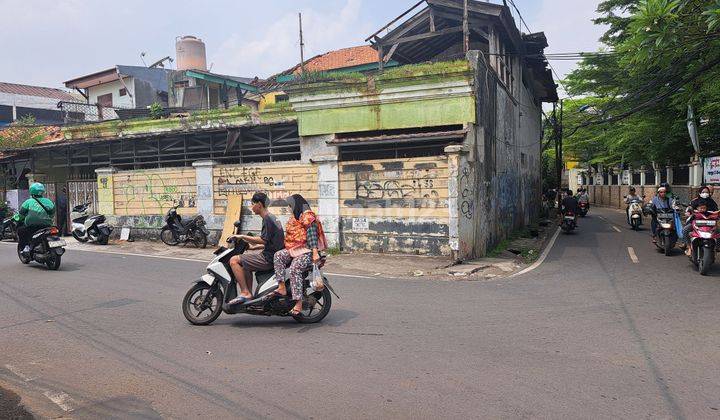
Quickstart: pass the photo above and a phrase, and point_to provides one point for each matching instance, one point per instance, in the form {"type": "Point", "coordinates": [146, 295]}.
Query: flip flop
{"type": "Point", "coordinates": [275, 294]}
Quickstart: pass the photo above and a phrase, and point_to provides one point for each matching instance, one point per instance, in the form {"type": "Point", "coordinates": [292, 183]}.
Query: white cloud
{"type": "Point", "coordinates": [278, 47]}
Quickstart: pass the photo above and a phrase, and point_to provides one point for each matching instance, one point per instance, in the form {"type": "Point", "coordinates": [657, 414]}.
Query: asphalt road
{"type": "Point", "coordinates": [589, 334]}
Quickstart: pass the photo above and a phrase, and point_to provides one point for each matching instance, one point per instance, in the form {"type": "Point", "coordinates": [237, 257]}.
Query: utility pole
{"type": "Point", "coordinates": [302, 47]}
{"type": "Point", "coordinates": [558, 168]}
{"type": "Point", "coordinates": [466, 28]}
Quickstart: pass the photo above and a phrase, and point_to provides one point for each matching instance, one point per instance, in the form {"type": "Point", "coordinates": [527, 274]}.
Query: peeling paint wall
{"type": "Point", "coordinates": [154, 192]}
{"type": "Point", "coordinates": [395, 205]}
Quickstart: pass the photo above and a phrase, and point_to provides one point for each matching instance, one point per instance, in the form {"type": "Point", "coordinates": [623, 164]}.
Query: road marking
{"type": "Point", "coordinates": [163, 257]}
{"type": "Point", "coordinates": [617, 229]}
{"type": "Point", "coordinates": [19, 374]}
{"type": "Point", "coordinates": [633, 257]}
{"type": "Point", "coordinates": [542, 256]}
{"type": "Point", "coordinates": [60, 399]}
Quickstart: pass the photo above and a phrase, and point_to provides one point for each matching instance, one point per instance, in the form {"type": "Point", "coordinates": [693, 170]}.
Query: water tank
{"type": "Point", "coordinates": [190, 52]}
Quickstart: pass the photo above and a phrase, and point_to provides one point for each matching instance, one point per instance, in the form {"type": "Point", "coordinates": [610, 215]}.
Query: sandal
{"type": "Point", "coordinates": [275, 294]}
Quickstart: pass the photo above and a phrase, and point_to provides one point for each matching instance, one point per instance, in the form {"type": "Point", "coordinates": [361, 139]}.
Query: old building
{"type": "Point", "coordinates": [438, 155]}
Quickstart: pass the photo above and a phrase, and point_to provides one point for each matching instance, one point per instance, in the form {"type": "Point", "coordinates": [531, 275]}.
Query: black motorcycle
{"type": "Point", "coordinates": [46, 247]}
{"type": "Point", "coordinates": [184, 231]}
{"type": "Point", "coordinates": [8, 229]}
{"type": "Point", "coordinates": [666, 233]}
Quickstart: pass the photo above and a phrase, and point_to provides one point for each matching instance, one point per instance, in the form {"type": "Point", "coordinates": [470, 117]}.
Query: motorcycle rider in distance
{"type": "Point", "coordinates": [583, 197]}
{"type": "Point", "coordinates": [632, 196]}
{"type": "Point", "coordinates": [660, 201]}
{"type": "Point", "coordinates": [36, 213]}
{"type": "Point", "coordinates": [705, 197]}
{"type": "Point", "coordinates": [262, 249]}
{"type": "Point", "coordinates": [569, 204]}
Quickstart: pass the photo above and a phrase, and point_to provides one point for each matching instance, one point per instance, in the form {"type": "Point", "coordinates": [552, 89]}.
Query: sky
{"type": "Point", "coordinates": [46, 42]}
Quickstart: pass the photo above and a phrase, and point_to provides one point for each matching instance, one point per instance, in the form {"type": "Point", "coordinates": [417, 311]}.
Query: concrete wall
{"type": "Point", "coordinates": [154, 192]}
{"type": "Point", "coordinates": [114, 89]}
{"type": "Point", "coordinates": [613, 195]}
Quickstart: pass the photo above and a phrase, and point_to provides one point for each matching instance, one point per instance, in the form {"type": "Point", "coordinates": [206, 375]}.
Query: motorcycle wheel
{"type": "Point", "coordinates": [635, 224]}
{"type": "Point", "coordinates": [103, 239]}
{"type": "Point", "coordinates": [23, 259]}
{"type": "Point", "coordinates": [312, 314]}
{"type": "Point", "coordinates": [667, 247]}
{"type": "Point", "coordinates": [694, 256]}
{"type": "Point", "coordinates": [192, 305]}
{"type": "Point", "coordinates": [705, 261]}
{"type": "Point", "coordinates": [167, 236]}
{"type": "Point", "coordinates": [53, 261]}
{"type": "Point", "coordinates": [78, 237]}
{"type": "Point", "coordinates": [200, 240]}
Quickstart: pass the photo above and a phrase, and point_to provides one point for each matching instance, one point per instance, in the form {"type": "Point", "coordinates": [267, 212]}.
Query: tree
{"type": "Point", "coordinates": [662, 56]}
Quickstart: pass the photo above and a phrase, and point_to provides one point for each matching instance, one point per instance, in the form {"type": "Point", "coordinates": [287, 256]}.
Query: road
{"type": "Point", "coordinates": [588, 334]}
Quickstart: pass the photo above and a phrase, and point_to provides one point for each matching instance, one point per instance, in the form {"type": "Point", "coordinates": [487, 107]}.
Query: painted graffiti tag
{"type": "Point", "coordinates": [467, 194]}
{"type": "Point", "coordinates": [417, 191]}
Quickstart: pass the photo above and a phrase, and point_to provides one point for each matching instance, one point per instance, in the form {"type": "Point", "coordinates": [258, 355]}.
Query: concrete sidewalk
{"type": "Point", "coordinates": [358, 264]}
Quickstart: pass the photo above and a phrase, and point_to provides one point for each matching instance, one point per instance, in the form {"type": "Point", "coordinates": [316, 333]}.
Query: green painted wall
{"type": "Point", "coordinates": [425, 113]}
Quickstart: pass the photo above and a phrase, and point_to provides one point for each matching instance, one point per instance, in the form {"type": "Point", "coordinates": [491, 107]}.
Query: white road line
{"type": "Point", "coordinates": [60, 399]}
{"type": "Point", "coordinates": [617, 229]}
{"type": "Point", "coordinates": [633, 257]}
{"type": "Point", "coordinates": [19, 374]}
{"type": "Point", "coordinates": [163, 257]}
{"type": "Point", "coordinates": [542, 256]}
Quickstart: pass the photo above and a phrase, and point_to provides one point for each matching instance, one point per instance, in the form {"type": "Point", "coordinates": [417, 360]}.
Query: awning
{"type": "Point", "coordinates": [399, 138]}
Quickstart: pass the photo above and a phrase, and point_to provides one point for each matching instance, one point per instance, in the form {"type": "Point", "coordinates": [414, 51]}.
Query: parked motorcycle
{"type": "Point", "coordinates": [635, 214]}
{"type": "Point", "coordinates": [89, 228]}
{"type": "Point", "coordinates": [703, 240]}
{"type": "Point", "coordinates": [209, 296]}
{"type": "Point", "coordinates": [667, 235]}
{"type": "Point", "coordinates": [8, 227]}
{"type": "Point", "coordinates": [569, 222]}
{"type": "Point", "coordinates": [183, 231]}
{"type": "Point", "coordinates": [47, 248]}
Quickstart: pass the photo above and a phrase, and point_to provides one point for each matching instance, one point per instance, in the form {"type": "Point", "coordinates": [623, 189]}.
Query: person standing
{"type": "Point", "coordinates": [62, 212]}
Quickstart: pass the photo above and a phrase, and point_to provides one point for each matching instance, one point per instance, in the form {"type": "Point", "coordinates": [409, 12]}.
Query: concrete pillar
{"type": "Point", "coordinates": [454, 163]}
{"type": "Point", "coordinates": [696, 173]}
{"type": "Point", "coordinates": [669, 170]}
{"type": "Point", "coordinates": [329, 197]}
{"type": "Point", "coordinates": [204, 181]}
{"type": "Point", "coordinates": [657, 177]}
{"type": "Point", "coordinates": [642, 176]}
{"type": "Point", "coordinates": [106, 194]}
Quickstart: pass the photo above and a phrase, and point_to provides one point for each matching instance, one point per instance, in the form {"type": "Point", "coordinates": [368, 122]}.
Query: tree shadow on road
{"type": "Point", "coordinates": [11, 407]}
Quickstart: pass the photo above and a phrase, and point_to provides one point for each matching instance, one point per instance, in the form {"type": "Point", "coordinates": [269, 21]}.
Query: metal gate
{"type": "Point", "coordinates": [81, 192]}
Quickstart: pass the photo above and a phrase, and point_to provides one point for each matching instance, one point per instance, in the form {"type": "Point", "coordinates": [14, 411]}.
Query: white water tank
{"type": "Point", "coordinates": [190, 53]}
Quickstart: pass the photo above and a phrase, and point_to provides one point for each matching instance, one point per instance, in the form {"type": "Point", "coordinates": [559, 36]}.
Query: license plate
{"type": "Point", "coordinates": [569, 218]}
{"type": "Point", "coordinates": [57, 244]}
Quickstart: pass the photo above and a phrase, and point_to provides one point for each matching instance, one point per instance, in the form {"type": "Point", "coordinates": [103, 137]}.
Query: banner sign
{"type": "Point", "coordinates": [712, 170]}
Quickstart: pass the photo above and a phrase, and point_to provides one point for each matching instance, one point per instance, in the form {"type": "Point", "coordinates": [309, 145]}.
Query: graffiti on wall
{"type": "Point", "coordinates": [155, 192]}
{"type": "Point", "coordinates": [467, 193]}
{"type": "Point", "coordinates": [248, 180]}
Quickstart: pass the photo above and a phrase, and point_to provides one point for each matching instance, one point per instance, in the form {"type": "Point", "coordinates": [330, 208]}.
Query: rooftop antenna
{"type": "Point", "coordinates": [142, 58]}
{"type": "Point", "coordinates": [302, 46]}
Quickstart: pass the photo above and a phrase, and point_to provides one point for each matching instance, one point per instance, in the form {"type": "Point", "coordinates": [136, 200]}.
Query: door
{"type": "Point", "coordinates": [81, 192]}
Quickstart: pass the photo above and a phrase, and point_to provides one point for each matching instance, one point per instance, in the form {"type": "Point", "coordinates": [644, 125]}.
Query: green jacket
{"type": "Point", "coordinates": [32, 213]}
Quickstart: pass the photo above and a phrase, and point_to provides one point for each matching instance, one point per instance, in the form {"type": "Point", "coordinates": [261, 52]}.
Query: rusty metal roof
{"type": "Point", "coordinates": [43, 92]}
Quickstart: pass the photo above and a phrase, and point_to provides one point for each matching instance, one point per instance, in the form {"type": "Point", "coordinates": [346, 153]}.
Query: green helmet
{"type": "Point", "coordinates": [37, 190]}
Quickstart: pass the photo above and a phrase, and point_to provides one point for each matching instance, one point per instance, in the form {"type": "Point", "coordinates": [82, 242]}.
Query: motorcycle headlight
{"type": "Point", "coordinates": [665, 225]}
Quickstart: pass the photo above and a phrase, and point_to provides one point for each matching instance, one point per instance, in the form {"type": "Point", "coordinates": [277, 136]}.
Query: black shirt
{"type": "Point", "coordinates": [569, 204]}
{"type": "Point", "coordinates": [712, 205]}
{"type": "Point", "coordinates": [273, 235]}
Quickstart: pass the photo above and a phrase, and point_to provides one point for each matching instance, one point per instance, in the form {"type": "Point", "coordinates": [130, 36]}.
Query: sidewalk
{"type": "Point", "coordinates": [502, 264]}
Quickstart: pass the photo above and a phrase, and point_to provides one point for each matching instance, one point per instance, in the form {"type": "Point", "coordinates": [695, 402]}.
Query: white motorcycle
{"type": "Point", "coordinates": [89, 228]}
{"type": "Point", "coordinates": [209, 296]}
{"type": "Point", "coordinates": [635, 214]}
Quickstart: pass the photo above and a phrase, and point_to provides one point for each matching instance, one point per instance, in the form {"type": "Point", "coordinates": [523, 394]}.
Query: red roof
{"type": "Point", "coordinates": [339, 59]}
{"type": "Point", "coordinates": [40, 91]}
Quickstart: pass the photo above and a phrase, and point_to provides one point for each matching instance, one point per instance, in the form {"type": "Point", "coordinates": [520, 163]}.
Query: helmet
{"type": "Point", "coordinates": [665, 185]}
{"type": "Point", "coordinates": [37, 190]}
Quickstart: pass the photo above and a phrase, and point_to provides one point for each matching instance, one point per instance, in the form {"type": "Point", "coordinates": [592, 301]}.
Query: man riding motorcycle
{"type": "Point", "coordinates": [632, 196]}
{"type": "Point", "coordinates": [661, 201]}
{"type": "Point", "coordinates": [569, 204]}
{"type": "Point", "coordinates": [36, 213]}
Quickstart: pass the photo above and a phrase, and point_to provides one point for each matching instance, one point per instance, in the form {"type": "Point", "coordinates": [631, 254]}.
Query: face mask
{"type": "Point", "coordinates": [705, 195]}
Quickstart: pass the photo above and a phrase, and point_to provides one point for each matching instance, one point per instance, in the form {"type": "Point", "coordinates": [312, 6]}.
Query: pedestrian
{"type": "Point", "coordinates": [62, 211]}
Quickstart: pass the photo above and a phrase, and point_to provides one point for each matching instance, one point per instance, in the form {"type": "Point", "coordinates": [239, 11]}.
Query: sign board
{"type": "Point", "coordinates": [580, 180]}
{"type": "Point", "coordinates": [124, 234]}
{"type": "Point", "coordinates": [360, 224]}
{"type": "Point", "coordinates": [232, 215]}
{"type": "Point", "coordinates": [598, 179]}
{"type": "Point", "coordinates": [712, 170]}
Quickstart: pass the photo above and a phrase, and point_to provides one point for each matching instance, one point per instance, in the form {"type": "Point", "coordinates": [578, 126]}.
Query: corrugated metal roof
{"type": "Point", "coordinates": [434, 135]}
{"type": "Point", "coordinates": [43, 92]}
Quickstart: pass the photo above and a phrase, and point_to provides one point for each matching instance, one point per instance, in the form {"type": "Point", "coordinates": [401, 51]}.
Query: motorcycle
{"type": "Point", "coordinates": [89, 228]}
{"type": "Point", "coordinates": [177, 230]}
{"type": "Point", "coordinates": [8, 228]}
{"type": "Point", "coordinates": [569, 222]}
{"type": "Point", "coordinates": [46, 248]}
{"type": "Point", "coordinates": [703, 239]}
{"type": "Point", "coordinates": [635, 214]}
{"type": "Point", "coordinates": [212, 293]}
{"type": "Point", "coordinates": [583, 208]}
{"type": "Point", "coordinates": [667, 235]}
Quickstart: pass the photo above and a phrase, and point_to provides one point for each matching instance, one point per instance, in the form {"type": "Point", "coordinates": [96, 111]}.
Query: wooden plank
{"type": "Point", "coordinates": [232, 214]}
{"type": "Point", "coordinates": [424, 36]}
